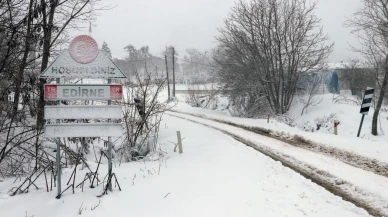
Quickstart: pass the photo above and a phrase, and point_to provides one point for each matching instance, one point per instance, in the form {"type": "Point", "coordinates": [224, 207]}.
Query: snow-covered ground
{"type": "Point", "coordinates": [215, 176]}
{"type": "Point", "coordinates": [332, 107]}
{"type": "Point", "coordinates": [218, 176]}
{"type": "Point", "coordinates": [371, 189]}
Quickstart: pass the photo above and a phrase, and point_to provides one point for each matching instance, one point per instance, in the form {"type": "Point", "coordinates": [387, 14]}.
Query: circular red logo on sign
{"type": "Point", "coordinates": [83, 49]}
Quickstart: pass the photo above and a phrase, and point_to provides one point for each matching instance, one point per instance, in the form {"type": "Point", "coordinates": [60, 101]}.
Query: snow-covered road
{"type": "Point", "coordinates": [215, 176]}
{"type": "Point", "coordinates": [352, 180]}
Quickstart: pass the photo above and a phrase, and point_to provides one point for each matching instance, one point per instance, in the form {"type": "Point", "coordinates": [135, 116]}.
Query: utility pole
{"type": "Point", "coordinates": [168, 79]}
{"type": "Point", "coordinates": [173, 72]}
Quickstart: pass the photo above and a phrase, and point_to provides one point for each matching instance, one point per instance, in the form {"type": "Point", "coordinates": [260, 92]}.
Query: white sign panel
{"type": "Point", "coordinates": [83, 112]}
{"type": "Point", "coordinates": [83, 130]}
{"type": "Point", "coordinates": [83, 92]}
{"type": "Point", "coordinates": [65, 66]}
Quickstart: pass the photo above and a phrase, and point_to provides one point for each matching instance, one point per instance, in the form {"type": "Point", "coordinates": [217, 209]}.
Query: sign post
{"type": "Point", "coordinates": [109, 152]}
{"type": "Point", "coordinates": [83, 60]}
{"type": "Point", "coordinates": [58, 158]}
{"type": "Point", "coordinates": [366, 103]}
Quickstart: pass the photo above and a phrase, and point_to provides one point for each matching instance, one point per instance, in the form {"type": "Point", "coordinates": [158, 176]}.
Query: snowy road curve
{"type": "Point", "coordinates": [336, 176]}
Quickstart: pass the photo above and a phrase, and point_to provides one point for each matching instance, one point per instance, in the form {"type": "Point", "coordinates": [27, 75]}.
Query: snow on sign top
{"type": "Point", "coordinates": [83, 60]}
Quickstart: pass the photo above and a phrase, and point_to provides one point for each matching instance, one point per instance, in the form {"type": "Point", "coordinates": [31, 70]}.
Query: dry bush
{"type": "Point", "coordinates": [143, 111]}
{"type": "Point", "coordinates": [202, 95]}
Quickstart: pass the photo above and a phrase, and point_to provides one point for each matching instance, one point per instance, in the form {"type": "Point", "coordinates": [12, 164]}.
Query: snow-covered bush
{"type": "Point", "coordinates": [249, 105]}
{"type": "Point", "coordinates": [308, 127]}
{"type": "Point", "coordinates": [322, 124]}
{"type": "Point", "coordinates": [287, 119]}
{"type": "Point", "coordinates": [342, 99]}
{"type": "Point", "coordinates": [142, 116]}
{"type": "Point", "coordinates": [202, 95]}
{"type": "Point", "coordinates": [325, 123]}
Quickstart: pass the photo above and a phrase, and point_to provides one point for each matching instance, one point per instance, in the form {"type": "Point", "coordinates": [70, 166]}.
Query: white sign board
{"type": "Point", "coordinates": [66, 66]}
{"type": "Point", "coordinates": [83, 112]}
{"type": "Point", "coordinates": [83, 130]}
{"type": "Point", "coordinates": [83, 92]}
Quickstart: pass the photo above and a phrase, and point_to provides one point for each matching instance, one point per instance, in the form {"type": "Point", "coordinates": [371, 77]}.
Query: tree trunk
{"type": "Point", "coordinates": [173, 72]}
{"type": "Point", "coordinates": [168, 81]}
{"type": "Point", "coordinates": [47, 27]}
{"type": "Point", "coordinates": [380, 100]}
{"type": "Point", "coordinates": [47, 33]}
{"type": "Point", "coordinates": [23, 64]}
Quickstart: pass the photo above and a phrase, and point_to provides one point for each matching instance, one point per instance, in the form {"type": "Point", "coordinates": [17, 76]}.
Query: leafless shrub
{"type": "Point", "coordinates": [80, 209]}
{"type": "Point", "coordinates": [202, 95]}
{"type": "Point", "coordinates": [313, 83]}
{"type": "Point", "coordinates": [143, 111]}
{"type": "Point", "coordinates": [341, 99]}
{"type": "Point", "coordinates": [95, 206]}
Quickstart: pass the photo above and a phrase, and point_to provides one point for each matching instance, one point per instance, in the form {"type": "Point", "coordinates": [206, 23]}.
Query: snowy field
{"type": "Point", "coordinates": [215, 176]}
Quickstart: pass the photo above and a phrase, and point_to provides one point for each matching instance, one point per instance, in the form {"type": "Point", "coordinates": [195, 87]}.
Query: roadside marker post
{"type": "Point", "coordinates": [178, 134]}
{"type": "Point", "coordinates": [366, 104]}
{"type": "Point", "coordinates": [336, 123]}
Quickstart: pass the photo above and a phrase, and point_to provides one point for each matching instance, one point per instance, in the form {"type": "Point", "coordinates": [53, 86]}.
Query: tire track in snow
{"type": "Point", "coordinates": [347, 191]}
{"type": "Point", "coordinates": [356, 160]}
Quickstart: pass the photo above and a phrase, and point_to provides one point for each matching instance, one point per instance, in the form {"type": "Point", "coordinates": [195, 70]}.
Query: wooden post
{"type": "Point", "coordinates": [168, 79]}
{"type": "Point", "coordinates": [268, 119]}
{"type": "Point", "coordinates": [173, 72]}
{"type": "Point", "coordinates": [178, 134]}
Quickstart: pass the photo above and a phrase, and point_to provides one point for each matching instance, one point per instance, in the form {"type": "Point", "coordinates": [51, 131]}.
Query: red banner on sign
{"type": "Point", "coordinates": [50, 92]}
{"type": "Point", "coordinates": [116, 92]}
{"type": "Point", "coordinates": [83, 92]}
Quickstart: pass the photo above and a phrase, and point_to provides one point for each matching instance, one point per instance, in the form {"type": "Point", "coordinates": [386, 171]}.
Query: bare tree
{"type": "Point", "coordinates": [196, 65]}
{"type": "Point", "coordinates": [358, 76]}
{"type": "Point", "coordinates": [143, 112]}
{"type": "Point", "coordinates": [311, 98]}
{"type": "Point", "coordinates": [19, 33]}
{"type": "Point", "coordinates": [369, 24]}
{"type": "Point", "coordinates": [30, 32]}
{"type": "Point", "coordinates": [271, 43]}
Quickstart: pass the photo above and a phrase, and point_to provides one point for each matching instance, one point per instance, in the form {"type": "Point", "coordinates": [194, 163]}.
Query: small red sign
{"type": "Point", "coordinates": [116, 92]}
{"type": "Point", "coordinates": [50, 92]}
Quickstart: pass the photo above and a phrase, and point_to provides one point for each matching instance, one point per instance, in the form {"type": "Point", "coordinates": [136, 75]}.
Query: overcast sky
{"type": "Point", "coordinates": [193, 23]}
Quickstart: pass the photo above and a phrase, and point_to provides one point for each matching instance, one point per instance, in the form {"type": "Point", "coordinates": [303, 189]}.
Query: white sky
{"type": "Point", "coordinates": [193, 23]}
